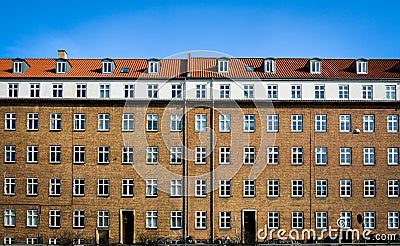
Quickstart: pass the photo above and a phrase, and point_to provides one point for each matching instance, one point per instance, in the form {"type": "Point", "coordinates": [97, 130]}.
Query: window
{"type": "Point", "coordinates": [152, 91]}
{"type": "Point", "coordinates": [17, 68]}
{"type": "Point", "coordinates": [369, 156]}
{"type": "Point", "coordinates": [10, 153]}
{"type": "Point", "coordinates": [296, 91]}
{"type": "Point", "coordinates": [321, 188]}
{"type": "Point", "coordinates": [345, 188]}
{"type": "Point", "coordinates": [79, 187]}
{"type": "Point", "coordinates": [201, 122]}
{"type": "Point", "coordinates": [103, 122]}
{"type": "Point", "coordinates": [321, 220]}
{"type": "Point", "coordinates": [55, 187]}
{"type": "Point", "coordinates": [223, 66]}
{"type": "Point", "coordinates": [345, 123]}
{"type": "Point", "coordinates": [152, 155]}
{"type": "Point", "coordinates": [177, 91]}
{"type": "Point", "coordinates": [273, 220]}
{"type": "Point", "coordinates": [201, 220]}
{"type": "Point", "coordinates": [320, 123]}
{"type": "Point", "coordinates": [297, 188]}
{"type": "Point", "coordinates": [343, 91]}
{"type": "Point", "coordinates": [224, 155]}
{"type": "Point", "coordinates": [129, 91]}
{"type": "Point", "coordinates": [127, 187]}
{"type": "Point", "coordinates": [393, 156]}
{"type": "Point", "coordinates": [154, 67]}
{"type": "Point", "coordinates": [79, 122]}
{"type": "Point", "coordinates": [224, 188]}
{"type": "Point", "coordinates": [32, 121]}
{"type": "Point", "coordinates": [10, 240]}
{"type": "Point", "coordinates": [176, 155]}
{"type": "Point", "coordinates": [297, 156]}
{"type": "Point", "coordinates": [201, 155]}
{"type": "Point", "coordinates": [297, 123]}
{"type": "Point", "coordinates": [103, 154]}
{"type": "Point", "coordinates": [54, 218]}
{"type": "Point", "coordinates": [35, 90]}
{"type": "Point", "coordinates": [57, 90]}
{"type": "Point", "coordinates": [201, 188]}
{"type": "Point", "coordinates": [393, 188]}
{"type": "Point", "coordinates": [9, 186]}
{"type": "Point", "coordinates": [269, 65]}
{"type": "Point", "coordinates": [297, 220]}
{"type": "Point", "coordinates": [128, 122]}
{"type": "Point", "coordinates": [151, 219]}
{"type": "Point", "coordinates": [345, 156]}
{"type": "Point", "coordinates": [369, 220]}
{"type": "Point", "coordinates": [104, 90]}
{"type": "Point", "coordinates": [319, 91]}
{"type": "Point", "coordinates": [273, 155]}
{"type": "Point", "coordinates": [103, 187]}
{"type": "Point", "coordinates": [55, 122]}
{"type": "Point", "coordinates": [79, 154]}
{"type": "Point", "coordinates": [176, 122]}
{"type": "Point", "coordinates": [249, 156]}
{"type": "Point", "coordinates": [79, 219]}
{"type": "Point", "coordinates": [81, 90]}
{"type": "Point", "coordinates": [55, 154]}
{"type": "Point", "coordinates": [9, 217]}
{"type": "Point", "coordinates": [61, 67]}
{"type": "Point", "coordinates": [369, 188]}
{"type": "Point", "coordinates": [272, 91]}
{"type": "Point", "coordinates": [367, 92]}
{"type": "Point", "coordinates": [176, 219]}
{"type": "Point", "coordinates": [201, 91]}
{"type": "Point", "coordinates": [128, 155]}
{"type": "Point", "coordinates": [369, 124]}
{"type": "Point", "coordinates": [152, 122]}
{"type": "Point", "coordinates": [13, 90]}
{"type": "Point", "coordinates": [176, 187]}
{"type": "Point", "coordinates": [10, 121]}
{"type": "Point", "coordinates": [321, 155]}
{"type": "Point", "coordinates": [224, 122]}
{"type": "Point", "coordinates": [224, 91]}
{"type": "Point", "coordinates": [103, 218]}
{"type": "Point", "coordinates": [224, 220]}
{"type": "Point", "coordinates": [362, 67]}
{"type": "Point", "coordinates": [32, 217]}
{"type": "Point", "coordinates": [31, 240]}
{"type": "Point", "coordinates": [273, 123]}
{"type": "Point", "coordinates": [393, 123]}
{"type": "Point", "coordinates": [393, 220]}
{"type": "Point", "coordinates": [390, 92]}
{"type": "Point", "coordinates": [249, 123]}
{"type": "Point", "coordinates": [248, 91]}
{"type": "Point", "coordinates": [79, 241]}
{"type": "Point", "coordinates": [249, 188]}
{"type": "Point", "coordinates": [32, 154]}
{"type": "Point", "coordinates": [315, 66]}
{"type": "Point", "coordinates": [151, 187]}
{"type": "Point", "coordinates": [273, 188]}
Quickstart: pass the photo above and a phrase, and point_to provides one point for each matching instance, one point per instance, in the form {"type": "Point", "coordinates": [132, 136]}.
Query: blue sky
{"type": "Point", "coordinates": [153, 28]}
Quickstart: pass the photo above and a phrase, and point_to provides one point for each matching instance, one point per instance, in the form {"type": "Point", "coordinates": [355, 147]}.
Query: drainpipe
{"type": "Point", "coordinates": [212, 161]}
{"type": "Point", "coordinates": [185, 168]}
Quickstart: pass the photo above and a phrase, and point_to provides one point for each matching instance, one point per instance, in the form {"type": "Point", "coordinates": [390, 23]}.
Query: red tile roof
{"type": "Point", "coordinates": [206, 68]}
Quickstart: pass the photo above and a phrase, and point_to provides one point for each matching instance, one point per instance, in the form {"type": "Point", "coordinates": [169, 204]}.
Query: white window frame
{"type": "Point", "coordinates": [224, 155]}
{"type": "Point", "coordinates": [55, 187]}
{"type": "Point", "coordinates": [315, 67]}
{"type": "Point", "coordinates": [176, 155]}
{"type": "Point", "coordinates": [9, 217]}
{"type": "Point", "coordinates": [34, 90]}
{"type": "Point", "coordinates": [296, 91]}
{"type": "Point", "coordinates": [32, 218]}
{"type": "Point", "coordinates": [176, 187]}
{"type": "Point", "coordinates": [273, 220]}
{"type": "Point", "coordinates": [81, 90]}
{"type": "Point", "coordinates": [79, 122]}
{"type": "Point", "coordinates": [32, 123]}
{"type": "Point", "coordinates": [176, 219]}
{"type": "Point", "coordinates": [369, 188]}
{"type": "Point", "coordinates": [297, 122]}
{"type": "Point", "coordinates": [32, 240]}
{"type": "Point", "coordinates": [272, 91]}
{"type": "Point", "coordinates": [249, 188]}
{"type": "Point", "coordinates": [369, 156]}
{"type": "Point", "coordinates": [321, 220]}
{"type": "Point", "coordinates": [55, 154]}
{"type": "Point", "coordinates": [224, 123]}
{"type": "Point", "coordinates": [345, 188]}
{"type": "Point", "coordinates": [321, 155]}
{"type": "Point", "coordinates": [249, 123]}
{"type": "Point", "coordinates": [201, 92]}
{"type": "Point", "coordinates": [79, 187]}
{"type": "Point", "coordinates": [17, 66]}
{"type": "Point", "coordinates": [224, 220]}
{"type": "Point", "coordinates": [57, 90]}
{"type": "Point", "coordinates": [393, 188]}
{"type": "Point", "coordinates": [393, 123]}
{"type": "Point", "coordinates": [103, 122]}
{"type": "Point", "coordinates": [151, 187]}
{"type": "Point", "coordinates": [224, 91]}
{"type": "Point", "coordinates": [201, 123]}
{"type": "Point", "coordinates": [152, 91]}
{"type": "Point", "coordinates": [128, 187]}
{"type": "Point", "coordinates": [128, 122]}
{"type": "Point", "coordinates": [343, 91]}
{"type": "Point", "coordinates": [249, 155]}
{"type": "Point", "coordinates": [152, 155]}
{"type": "Point", "coordinates": [345, 123]}
{"type": "Point", "coordinates": [362, 67]}
{"type": "Point", "coordinates": [273, 123]}
{"type": "Point", "coordinates": [248, 91]}
{"type": "Point", "coordinates": [13, 90]}
{"type": "Point", "coordinates": [393, 220]}
{"type": "Point", "coordinates": [200, 220]}
{"type": "Point", "coordinates": [9, 186]}
{"type": "Point", "coordinates": [10, 154]}
{"type": "Point", "coordinates": [393, 156]}
{"type": "Point", "coordinates": [152, 122]}
{"type": "Point", "coordinates": [154, 67]}
{"type": "Point", "coordinates": [103, 187]}
{"type": "Point", "coordinates": [390, 92]}
{"type": "Point", "coordinates": [55, 122]}
{"type": "Point", "coordinates": [54, 218]}
{"type": "Point", "coordinates": [32, 154]}
{"type": "Point", "coordinates": [297, 156]}
{"type": "Point", "coordinates": [320, 123]}
{"type": "Point", "coordinates": [223, 66]}
{"type": "Point", "coordinates": [369, 220]}
{"type": "Point", "coordinates": [321, 188]}
{"type": "Point", "coordinates": [104, 90]}
{"type": "Point", "coordinates": [176, 90]}
{"type": "Point", "coordinates": [103, 218]}
{"type": "Point", "coordinates": [79, 154]}
{"type": "Point", "coordinates": [367, 92]}
{"type": "Point", "coordinates": [273, 187]}
{"type": "Point", "coordinates": [78, 219]}
{"type": "Point", "coordinates": [201, 188]}
{"type": "Point", "coordinates": [273, 155]}
{"type": "Point", "coordinates": [201, 155]}
{"type": "Point", "coordinates": [176, 122]}
{"type": "Point", "coordinates": [10, 122]}
{"type": "Point", "coordinates": [129, 91]}
{"type": "Point", "coordinates": [103, 156]}
{"type": "Point", "coordinates": [345, 156]}
{"type": "Point", "coordinates": [369, 123]}
{"type": "Point", "coordinates": [297, 220]}
{"type": "Point", "coordinates": [319, 92]}
{"type": "Point", "coordinates": [297, 188]}
{"type": "Point", "coordinates": [225, 188]}
{"type": "Point", "coordinates": [128, 155]}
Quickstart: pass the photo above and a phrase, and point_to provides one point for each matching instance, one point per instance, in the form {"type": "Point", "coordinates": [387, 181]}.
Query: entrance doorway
{"type": "Point", "coordinates": [249, 222]}
{"type": "Point", "coordinates": [127, 227]}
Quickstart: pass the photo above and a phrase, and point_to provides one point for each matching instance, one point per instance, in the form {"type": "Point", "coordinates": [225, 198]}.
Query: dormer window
{"type": "Point", "coordinates": [223, 65]}
{"type": "Point", "coordinates": [362, 66]}
{"type": "Point", "coordinates": [108, 66]}
{"type": "Point", "coordinates": [154, 66]}
{"type": "Point", "coordinates": [19, 65]}
{"type": "Point", "coordinates": [315, 66]}
{"type": "Point", "coordinates": [61, 67]}
{"type": "Point", "coordinates": [269, 65]}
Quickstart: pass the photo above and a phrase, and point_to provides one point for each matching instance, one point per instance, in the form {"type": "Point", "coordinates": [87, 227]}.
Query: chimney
{"type": "Point", "coordinates": [188, 74]}
{"type": "Point", "coordinates": [62, 54]}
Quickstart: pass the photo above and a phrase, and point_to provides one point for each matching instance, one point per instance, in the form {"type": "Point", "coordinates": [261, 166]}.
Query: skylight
{"type": "Point", "coordinates": [125, 70]}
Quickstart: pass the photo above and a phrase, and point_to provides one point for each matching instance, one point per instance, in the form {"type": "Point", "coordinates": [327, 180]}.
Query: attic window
{"type": "Point", "coordinates": [315, 66]}
{"type": "Point", "coordinates": [61, 67]}
{"type": "Point", "coordinates": [154, 66]}
{"type": "Point", "coordinates": [17, 67]}
{"type": "Point", "coordinates": [250, 68]}
{"type": "Point", "coordinates": [223, 66]}
{"type": "Point", "coordinates": [107, 67]}
{"type": "Point", "coordinates": [125, 70]}
{"type": "Point", "coordinates": [269, 65]}
{"type": "Point", "coordinates": [362, 66]}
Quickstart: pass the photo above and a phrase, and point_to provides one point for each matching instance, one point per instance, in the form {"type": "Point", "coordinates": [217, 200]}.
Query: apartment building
{"type": "Point", "coordinates": [115, 150]}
